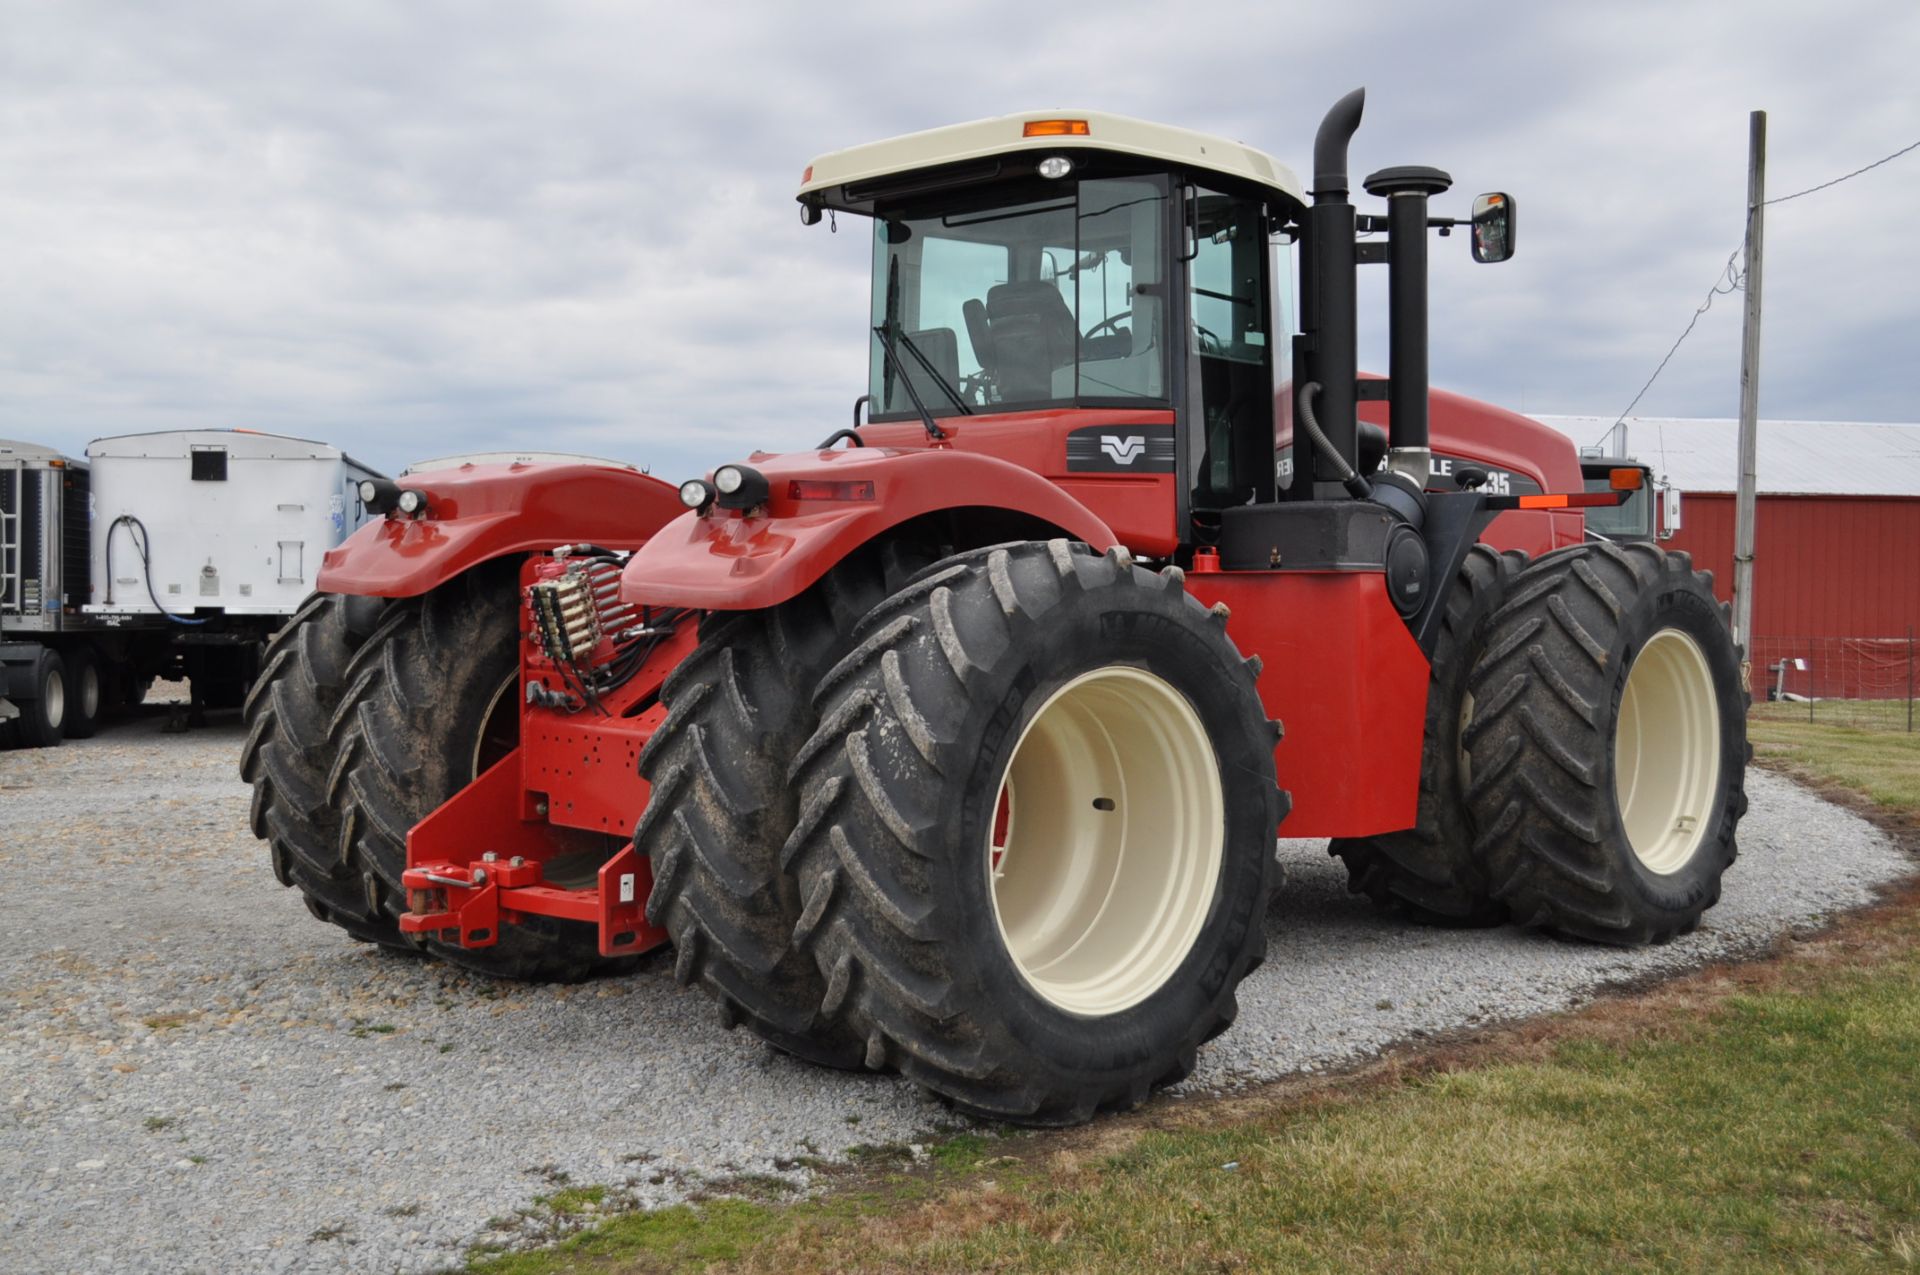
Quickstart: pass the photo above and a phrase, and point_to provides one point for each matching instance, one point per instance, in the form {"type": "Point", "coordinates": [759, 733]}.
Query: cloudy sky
{"type": "Point", "coordinates": [421, 228]}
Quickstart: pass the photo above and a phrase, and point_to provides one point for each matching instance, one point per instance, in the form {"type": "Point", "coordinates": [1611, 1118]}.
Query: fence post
{"type": "Point", "coordinates": [1909, 679]}
{"type": "Point", "coordinates": [1812, 674]}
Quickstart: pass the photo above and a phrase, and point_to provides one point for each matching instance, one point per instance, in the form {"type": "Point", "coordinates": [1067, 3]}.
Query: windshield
{"type": "Point", "coordinates": [1632, 520]}
{"type": "Point", "coordinates": [1023, 305]}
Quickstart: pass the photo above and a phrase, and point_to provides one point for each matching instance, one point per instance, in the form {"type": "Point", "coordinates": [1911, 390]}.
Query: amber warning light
{"type": "Point", "coordinates": [1055, 128]}
{"type": "Point", "coordinates": [816, 489]}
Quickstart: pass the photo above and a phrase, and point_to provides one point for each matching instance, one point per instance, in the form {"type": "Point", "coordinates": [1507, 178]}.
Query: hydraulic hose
{"type": "Point", "coordinates": [137, 530]}
{"type": "Point", "coordinates": [1357, 487]}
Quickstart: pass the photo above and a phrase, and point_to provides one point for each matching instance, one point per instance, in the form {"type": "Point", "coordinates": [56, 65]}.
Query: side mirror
{"type": "Point", "coordinates": [1493, 221]}
{"type": "Point", "coordinates": [1669, 513]}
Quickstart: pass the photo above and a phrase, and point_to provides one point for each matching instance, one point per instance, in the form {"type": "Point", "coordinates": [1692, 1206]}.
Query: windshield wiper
{"type": "Point", "coordinates": [906, 383]}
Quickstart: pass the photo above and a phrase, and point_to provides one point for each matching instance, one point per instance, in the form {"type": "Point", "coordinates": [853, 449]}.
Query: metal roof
{"type": "Point", "coordinates": [1005, 134]}
{"type": "Point", "coordinates": [28, 453]}
{"type": "Point", "coordinates": [1824, 458]}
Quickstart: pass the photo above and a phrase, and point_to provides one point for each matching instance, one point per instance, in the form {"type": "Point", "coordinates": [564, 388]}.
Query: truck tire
{"type": "Point", "coordinates": [1607, 749]}
{"type": "Point", "coordinates": [428, 704]}
{"type": "Point", "coordinates": [739, 707]}
{"type": "Point", "coordinates": [287, 757]}
{"type": "Point", "coordinates": [85, 700]}
{"type": "Point", "coordinates": [42, 722]}
{"type": "Point", "coordinates": [960, 833]}
{"type": "Point", "coordinates": [1430, 872]}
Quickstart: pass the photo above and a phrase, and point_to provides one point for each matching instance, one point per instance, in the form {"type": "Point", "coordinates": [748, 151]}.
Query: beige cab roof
{"type": "Point", "coordinates": [958, 143]}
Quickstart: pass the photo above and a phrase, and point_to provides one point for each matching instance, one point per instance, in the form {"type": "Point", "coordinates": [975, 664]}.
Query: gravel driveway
{"type": "Point", "coordinates": [198, 1076]}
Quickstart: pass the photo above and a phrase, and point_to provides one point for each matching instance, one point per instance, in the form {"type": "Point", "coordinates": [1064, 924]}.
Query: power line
{"type": "Point", "coordinates": [1730, 280]}
{"type": "Point", "coordinates": [1846, 177]}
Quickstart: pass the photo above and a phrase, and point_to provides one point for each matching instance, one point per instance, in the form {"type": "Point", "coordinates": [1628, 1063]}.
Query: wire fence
{"type": "Point", "coordinates": [1868, 683]}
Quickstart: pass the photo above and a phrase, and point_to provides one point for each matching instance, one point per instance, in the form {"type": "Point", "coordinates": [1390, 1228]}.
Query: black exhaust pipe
{"type": "Point", "coordinates": [1327, 303]}
{"type": "Point", "coordinates": [1406, 191]}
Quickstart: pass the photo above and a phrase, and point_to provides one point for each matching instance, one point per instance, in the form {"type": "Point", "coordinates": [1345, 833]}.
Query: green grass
{"type": "Point", "coordinates": [1763, 1120]}
{"type": "Point", "coordinates": [1865, 714]}
{"type": "Point", "coordinates": [1881, 765]}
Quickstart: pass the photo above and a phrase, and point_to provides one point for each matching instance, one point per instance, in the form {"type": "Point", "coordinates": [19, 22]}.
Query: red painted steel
{"type": "Point", "coordinates": [481, 512]}
{"type": "Point", "coordinates": [732, 561]}
{"type": "Point", "coordinates": [477, 863]}
{"type": "Point", "coordinates": [1348, 683]}
{"type": "Point", "coordinates": [1823, 566]}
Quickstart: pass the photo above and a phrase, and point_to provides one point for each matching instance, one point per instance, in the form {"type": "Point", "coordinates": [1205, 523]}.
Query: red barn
{"type": "Point", "coordinates": [1836, 539]}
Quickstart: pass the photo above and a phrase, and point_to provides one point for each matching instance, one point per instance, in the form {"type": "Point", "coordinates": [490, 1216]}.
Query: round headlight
{"type": "Point", "coordinates": [1055, 166]}
{"type": "Point", "coordinates": [728, 479]}
{"type": "Point", "coordinates": [695, 494]}
{"type": "Point", "coordinates": [368, 491]}
{"type": "Point", "coordinates": [411, 502]}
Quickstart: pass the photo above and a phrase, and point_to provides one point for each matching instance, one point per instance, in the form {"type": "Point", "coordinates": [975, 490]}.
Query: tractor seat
{"type": "Point", "coordinates": [1032, 333]}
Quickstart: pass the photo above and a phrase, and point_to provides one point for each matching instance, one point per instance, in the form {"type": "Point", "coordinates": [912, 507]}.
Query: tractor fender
{"type": "Point", "coordinates": [477, 513]}
{"type": "Point", "coordinates": [823, 505]}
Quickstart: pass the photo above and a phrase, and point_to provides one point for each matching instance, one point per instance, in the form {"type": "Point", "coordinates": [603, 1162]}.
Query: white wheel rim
{"type": "Point", "coordinates": [1666, 752]}
{"type": "Point", "coordinates": [90, 693]}
{"type": "Point", "coordinates": [56, 699]}
{"type": "Point", "coordinates": [1102, 882]}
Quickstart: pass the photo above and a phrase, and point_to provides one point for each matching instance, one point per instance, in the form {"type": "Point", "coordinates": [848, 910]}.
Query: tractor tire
{"type": "Point", "coordinates": [84, 699]}
{"type": "Point", "coordinates": [429, 703]}
{"type": "Point", "coordinates": [1607, 750]}
{"type": "Point", "coordinates": [287, 757]}
{"type": "Point", "coordinates": [1430, 873]}
{"type": "Point", "coordinates": [42, 721]}
{"type": "Point", "coordinates": [738, 709]}
{"type": "Point", "coordinates": [959, 840]}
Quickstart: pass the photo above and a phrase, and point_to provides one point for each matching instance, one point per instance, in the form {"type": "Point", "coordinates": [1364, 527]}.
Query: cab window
{"type": "Point", "coordinates": [1023, 304]}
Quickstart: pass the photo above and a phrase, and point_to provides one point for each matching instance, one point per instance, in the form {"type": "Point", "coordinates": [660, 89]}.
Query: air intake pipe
{"type": "Point", "coordinates": [1327, 297]}
{"type": "Point", "coordinates": [1406, 191]}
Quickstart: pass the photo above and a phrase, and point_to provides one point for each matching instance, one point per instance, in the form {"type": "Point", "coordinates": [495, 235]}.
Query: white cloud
{"type": "Point", "coordinates": [426, 228]}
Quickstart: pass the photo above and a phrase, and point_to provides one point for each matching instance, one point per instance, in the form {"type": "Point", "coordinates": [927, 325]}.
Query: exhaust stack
{"type": "Point", "coordinates": [1327, 299]}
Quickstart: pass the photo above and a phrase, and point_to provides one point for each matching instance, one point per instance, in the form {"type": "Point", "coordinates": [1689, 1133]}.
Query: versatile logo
{"type": "Point", "coordinates": [1120, 449]}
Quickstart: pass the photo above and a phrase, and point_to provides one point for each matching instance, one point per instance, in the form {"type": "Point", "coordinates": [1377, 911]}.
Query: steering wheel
{"type": "Point", "coordinates": [1209, 342]}
{"type": "Point", "coordinates": [1104, 324]}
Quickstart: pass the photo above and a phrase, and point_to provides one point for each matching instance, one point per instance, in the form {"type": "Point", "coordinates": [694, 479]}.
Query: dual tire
{"type": "Point", "coordinates": [1036, 839]}
{"type": "Point", "coordinates": [1606, 753]}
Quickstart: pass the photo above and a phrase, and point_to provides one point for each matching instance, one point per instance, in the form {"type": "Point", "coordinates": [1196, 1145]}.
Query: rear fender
{"type": "Point", "coordinates": [728, 561]}
{"type": "Point", "coordinates": [477, 513]}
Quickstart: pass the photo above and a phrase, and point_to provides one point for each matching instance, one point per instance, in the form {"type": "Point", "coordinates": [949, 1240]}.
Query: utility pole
{"type": "Point", "coordinates": [1743, 508]}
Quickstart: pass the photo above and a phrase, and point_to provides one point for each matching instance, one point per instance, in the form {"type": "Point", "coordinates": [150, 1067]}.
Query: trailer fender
{"type": "Point", "coordinates": [823, 505]}
{"type": "Point", "coordinates": [477, 513]}
{"type": "Point", "coordinates": [18, 662]}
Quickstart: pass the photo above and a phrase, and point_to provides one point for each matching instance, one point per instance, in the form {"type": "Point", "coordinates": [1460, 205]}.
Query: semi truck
{"type": "Point", "coordinates": [169, 555]}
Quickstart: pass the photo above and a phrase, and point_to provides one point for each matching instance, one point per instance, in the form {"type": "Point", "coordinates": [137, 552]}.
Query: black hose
{"type": "Point", "coordinates": [1357, 487]}
{"type": "Point", "coordinates": [140, 542]}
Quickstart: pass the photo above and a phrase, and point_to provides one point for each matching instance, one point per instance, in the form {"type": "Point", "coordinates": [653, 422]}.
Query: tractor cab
{"type": "Point", "coordinates": [1108, 300]}
{"type": "Point", "coordinates": [1066, 268]}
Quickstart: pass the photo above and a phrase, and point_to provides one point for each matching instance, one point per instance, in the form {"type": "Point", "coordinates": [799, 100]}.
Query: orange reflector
{"type": "Point", "coordinates": [820, 489]}
{"type": "Point", "coordinates": [56, 464]}
{"type": "Point", "coordinates": [807, 176]}
{"type": "Point", "coordinates": [1626, 479]}
{"type": "Point", "coordinates": [1055, 128]}
{"type": "Point", "coordinates": [1543, 502]}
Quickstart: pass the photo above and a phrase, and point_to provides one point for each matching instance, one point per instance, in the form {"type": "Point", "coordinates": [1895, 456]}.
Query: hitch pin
{"type": "Point", "coordinates": [479, 879]}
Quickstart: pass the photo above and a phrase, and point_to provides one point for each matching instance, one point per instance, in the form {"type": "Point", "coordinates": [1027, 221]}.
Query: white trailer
{"type": "Point", "coordinates": [174, 554]}
{"type": "Point", "coordinates": [223, 522]}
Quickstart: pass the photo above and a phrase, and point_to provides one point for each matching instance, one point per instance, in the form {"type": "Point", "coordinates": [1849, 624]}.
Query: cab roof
{"type": "Point", "coordinates": [828, 179]}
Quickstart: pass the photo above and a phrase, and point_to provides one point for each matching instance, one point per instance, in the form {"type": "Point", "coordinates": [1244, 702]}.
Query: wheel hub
{"type": "Point", "coordinates": [1666, 754]}
{"type": "Point", "coordinates": [1104, 866]}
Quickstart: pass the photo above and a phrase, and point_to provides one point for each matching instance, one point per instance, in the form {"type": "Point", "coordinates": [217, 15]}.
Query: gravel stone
{"type": "Point", "coordinates": [199, 1076]}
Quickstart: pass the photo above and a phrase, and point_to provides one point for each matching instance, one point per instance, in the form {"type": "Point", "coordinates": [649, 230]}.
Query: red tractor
{"type": "Point", "coordinates": [954, 745]}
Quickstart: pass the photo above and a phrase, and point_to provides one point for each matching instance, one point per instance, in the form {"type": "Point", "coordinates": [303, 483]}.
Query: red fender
{"type": "Point", "coordinates": [727, 561]}
{"type": "Point", "coordinates": [480, 512]}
